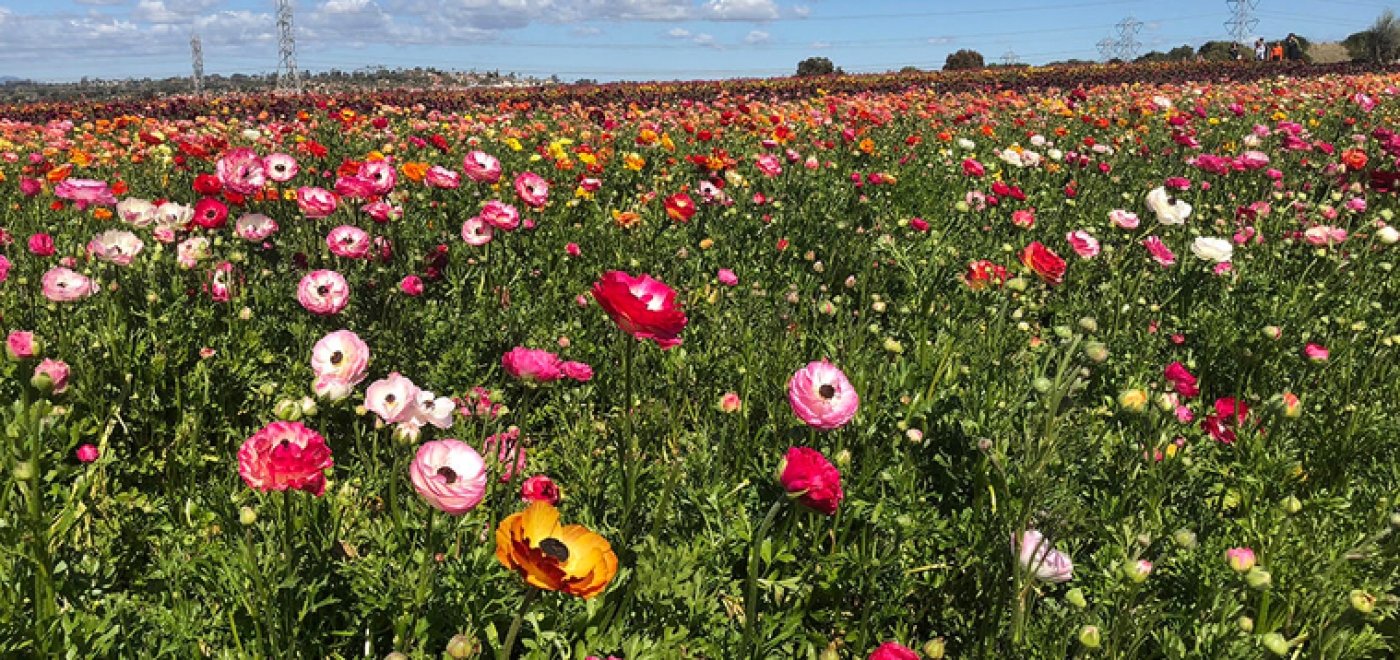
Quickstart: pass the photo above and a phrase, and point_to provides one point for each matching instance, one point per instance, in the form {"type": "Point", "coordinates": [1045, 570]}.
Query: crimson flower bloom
{"type": "Point", "coordinates": [641, 306]}
{"type": "Point", "coordinates": [806, 475]}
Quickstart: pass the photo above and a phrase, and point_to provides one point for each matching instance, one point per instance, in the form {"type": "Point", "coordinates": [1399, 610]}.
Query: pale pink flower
{"type": "Point", "coordinates": [449, 475]}
{"type": "Point", "coordinates": [532, 188]}
{"type": "Point", "coordinates": [1159, 251]}
{"type": "Point", "coordinates": [500, 215]}
{"type": "Point", "coordinates": [476, 232]}
{"type": "Point", "coordinates": [323, 292]}
{"type": "Point", "coordinates": [481, 167]}
{"type": "Point", "coordinates": [1036, 556]}
{"type": "Point", "coordinates": [340, 361]}
{"type": "Point", "coordinates": [442, 178]}
{"type": "Point", "coordinates": [280, 167]}
{"type": "Point", "coordinates": [394, 399]}
{"type": "Point", "coordinates": [316, 203]}
{"type": "Point", "coordinates": [254, 227]}
{"type": "Point", "coordinates": [65, 285]}
{"type": "Point", "coordinates": [1123, 219]}
{"type": "Point", "coordinates": [115, 246]}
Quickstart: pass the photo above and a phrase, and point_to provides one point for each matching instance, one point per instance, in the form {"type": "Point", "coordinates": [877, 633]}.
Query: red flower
{"type": "Point", "coordinates": [210, 213]}
{"type": "Point", "coordinates": [806, 475]}
{"type": "Point", "coordinates": [1229, 414]}
{"type": "Point", "coordinates": [285, 455]}
{"type": "Point", "coordinates": [1181, 380]}
{"type": "Point", "coordinates": [1046, 264]}
{"type": "Point", "coordinates": [641, 306]}
{"type": "Point", "coordinates": [973, 168]}
{"type": "Point", "coordinates": [208, 184]}
{"type": "Point", "coordinates": [982, 273]}
{"type": "Point", "coordinates": [680, 207]}
{"type": "Point", "coordinates": [893, 651]}
{"type": "Point", "coordinates": [539, 488]}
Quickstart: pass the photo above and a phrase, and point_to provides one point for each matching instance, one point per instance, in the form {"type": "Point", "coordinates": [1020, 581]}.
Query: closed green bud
{"type": "Point", "coordinates": [24, 471]}
{"type": "Point", "coordinates": [1258, 579]}
{"type": "Point", "coordinates": [1090, 637]}
{"type": "Point", "coordinates": [829, 653]}
{"type": "Point", "coordinates": [1395, 520]}
{"type": "Point", "coordinates": [1361, 601]}
{"type": "Point", "coordinates": [1096, 351]}
{"type": "Point", "coordinates": [1276, 644]}
{"type": "Point", "coordinates": [42, 382]}
{"type": "Point", "coordinates": [962, 206]}
{"type": "Point", "coordinates": [463, 646]}
{"type": "Point", "coordinates": [935, 648]}
{"type": "Point", "coordinates": [1075, 597]}
{"type": "Point", "coordinates": [1042, 384]}
{"type": "Point", "coordinates": [1089, 324]}
{"type": "Point", "coordinates": [1017, 284]}
{"type": "Point", "coordinates": [843, 459]}
{"type": "Point", "coordinates": [308, 407]}
{"type": "Point", "coordinates": [247, 516]}
{"type": "Point", "coordinates": [1185, 538]}
{"type": "Point", "coordinates": [287, 410]}
{"type": "Point", "coordinates": [1245, 624]}
{"type": "Point", "coordinates": [1064, 332]}
{"type": "Point", "coordinates": [1291, 505]}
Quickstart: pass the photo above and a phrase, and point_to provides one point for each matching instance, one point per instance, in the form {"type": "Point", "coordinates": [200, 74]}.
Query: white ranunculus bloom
{"type": "Point", "coordinates": [1209, 248]}
{"type": "Point", "coordinates": [1388, 235]}
{"type": "Point", "coordinates": [1169, 209]}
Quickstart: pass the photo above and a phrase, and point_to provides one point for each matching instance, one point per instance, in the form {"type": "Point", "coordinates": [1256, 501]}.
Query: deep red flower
{"type": "Point", "coordinates": [210, 213]}
{"type": "Point", "coordinates": [806, 475]}
{"type": "Point", "coordinates": [208, 184]}
{"type": "Point", "coordinates": [1181, 380]}
{"type": "Point", "coordinates": [1047, 265]}
{"type": "Point", "coordinates": [641, 306]}
{"type": "Point", "coordinates": [1229, 414]}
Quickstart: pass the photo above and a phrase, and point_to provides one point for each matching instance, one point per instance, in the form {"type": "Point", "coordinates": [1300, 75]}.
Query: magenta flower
{"type": "Point", "coordinates": [242, 171]}
{"type": "Point", "coordinates": [822, 397]}
{"type": "Point", "coordinates": [323, 292]}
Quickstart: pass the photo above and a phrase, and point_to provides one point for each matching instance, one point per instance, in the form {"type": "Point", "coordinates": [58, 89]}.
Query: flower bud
{"type": "Point", "coordinates": [1017, 284]}
{"type": "Point", "coordinates": [24, 471]}
{"type": "Point", "coordinates": [1138, 571]}
{"type": "Point", "coordinates": [463, 646]}
{"type": "Point", "coordinates": [1240, 559]}
{"type": "Point", "coordinates": [1089, 324]}
{"type": "Point", "coordinates": [1362, 601]}
{"type": "Point", "coordinates": [1042, 384]}
{"type": "Point", "coordinates": [308, 407]}
{"type": "Point", "coordinates": [1291, 505]}
{"type": "Point", "coordinates": [287, 410]}
{"type": "Point", "coordinates": [1258, 579]}
{"type": "Point", "coordinates": [1133, 400]}
{"type": "Point", "coordinates": [42, 382]}
{"type": "Point", "coordinates": [1276, 644]}
{"type": "Point", "coordinates": [1388, 235]}
{"type": "Point", "coordinates": [1063, 332]}
{"type": "Point", "coordinates": [843, 459]}
{"type": "Point", "coordinates": [1395, 520]}
{"type": "Point", "coordinates": [1090, 637]}
{"type": "Point", "coordinates": [1096, 351]}
{"type": "Point", "coordinates": [396, 656]}
{"type": "Point", "coordinates": [247, 516]}
{"type": "Point", "coordinates": [935, 648]}
{"type": "Point", "coordinates": [1245, 624]}
{"type": "Point", "coordinates": [829, 653]}
{"type": "Point", "coordinates": [1075, 597]}
{"type": "Point", "coordinates": [1273, 332]}
{"type": "Point", "coordinates": [1185, 538]}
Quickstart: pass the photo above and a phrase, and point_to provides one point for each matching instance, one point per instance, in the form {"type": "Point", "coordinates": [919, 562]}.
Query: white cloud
{"type": "Point", "coordinates": [757, 37]}
{"type": "Point", "coordinates": [678, 33]}
{"type": "Point", "coordinates": [742, 10]}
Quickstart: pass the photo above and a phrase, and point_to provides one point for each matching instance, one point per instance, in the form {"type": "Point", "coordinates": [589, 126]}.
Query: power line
{"type": "Point", "coordinates": [287, 78]}
{"type": "Point", "coordinates": [197, 57]}
{"type": "Point", "coordinates": [1242, 19]}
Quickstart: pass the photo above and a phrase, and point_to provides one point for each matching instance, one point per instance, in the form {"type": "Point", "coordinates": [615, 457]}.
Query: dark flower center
{"type": "Point", "coordinates": [389, 399]}
{"type": "Point", "coordinates": [827, 391]}
{"type": "Point", "coordinates": [555, 548]}
{"type": "Point", "coordinates": [447, 474]}
{"type": "Point", "coordinates": [323, 289]}
{"type": "Point", "coordinates": [336, 357]}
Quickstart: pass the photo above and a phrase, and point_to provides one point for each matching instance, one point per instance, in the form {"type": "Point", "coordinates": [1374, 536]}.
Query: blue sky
{"type": "Point", "coordinates": [612, 39]}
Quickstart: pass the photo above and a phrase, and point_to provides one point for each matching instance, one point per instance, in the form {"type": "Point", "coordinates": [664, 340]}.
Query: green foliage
{"type": "Point", "coordinates": [963, 59]}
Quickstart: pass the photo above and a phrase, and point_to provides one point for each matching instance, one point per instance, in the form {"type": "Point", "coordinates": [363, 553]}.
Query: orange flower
{"type": "Point", "coordinates": [1354, 159]}
{"type": "Point", "coordinates": [415, 171]}
{"type": "Point", "coordinates": [59, 173]}
{"type": "Point", "coordinates": [571, 559]}
{"type": "Point", "coordinates": [626, 219]}
{"type": "Point", "coordinates": [102, 213]}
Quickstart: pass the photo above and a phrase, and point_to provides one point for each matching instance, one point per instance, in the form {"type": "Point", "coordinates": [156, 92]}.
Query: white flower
{"type": "Point", "coordinates": [966, 144]}
{"type": "Point", "coordinates": [394, 399]}
{"type": "Point", "coordinates": [1388, 235]}
{"type": "Point", "coordinates": [136, 212]}
{"type": "Point", "coordinates": [435, 410]}
{"type": "Point", "coordinates": [1209, 248]}
{"type": "Point", "coordinates": [115, 246]}
{"type": "Point", "coordinates": [1169, 209]}
{"type": "Point", "coordinates": [173, 215]}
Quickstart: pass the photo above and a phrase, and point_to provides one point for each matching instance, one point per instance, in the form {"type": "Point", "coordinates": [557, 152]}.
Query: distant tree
{"type": "Point", "coordinates": [964, 59]}
{"type": "Point", "coordinates": [815, 66]}
{"type": "Point", "coordinates": [1215, 51]}
{"type": "Point", "coordinates": [911, 69]}
{"type": "Point", "coordinates": [1379, 44]}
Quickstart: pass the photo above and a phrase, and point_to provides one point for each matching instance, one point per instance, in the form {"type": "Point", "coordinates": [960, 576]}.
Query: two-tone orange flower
{"type": "Point", "coordinates": [571, 559]}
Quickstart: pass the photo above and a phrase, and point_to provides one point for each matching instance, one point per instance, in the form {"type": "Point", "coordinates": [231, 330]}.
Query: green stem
{"type": "Point", "coordinates": [424, 571]}
{"type": "Point", "coordinates": [628, 447]}
{"type": "Point", "coordinates": [43, 576]}
{"type": "Point", "coordinates": [530, 596]}
{"type": "Point", "coordinates": [751, 586]}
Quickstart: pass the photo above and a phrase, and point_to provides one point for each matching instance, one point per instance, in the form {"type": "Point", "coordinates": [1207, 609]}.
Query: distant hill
{"type": "Point", "coordinates": [5, 80]}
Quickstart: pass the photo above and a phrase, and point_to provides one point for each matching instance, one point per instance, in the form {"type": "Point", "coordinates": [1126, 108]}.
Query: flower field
{"type": "Point", "coordinates": [1075, 364]}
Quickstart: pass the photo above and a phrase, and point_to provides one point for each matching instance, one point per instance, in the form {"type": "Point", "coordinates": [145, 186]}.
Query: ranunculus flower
{"type": "Point", "coordinates": [85, 192]}
{"type": "Point", "coordinates": [254, 227]}
{"type": "Point", "coordinates": [1181, 380]}
{"type": "Point", "coordinates": [394, 398]}
{"type": "Point", "coordinates": [1047, 265]}
{"type": "Point", "coordinates": [680, 207]}
{"type": "Point", "coordinates": [532, 365]}
{"type": "Point", "coordinates": [191, 251]}
{"type": "Point", "coordinates": [532, 188]}
{"type": "Point", "coordinates": [411, 286]}
{"type": "Point", "coordinates": [1159, 251]}
{"type": "Point", "coordinates": [1216, 250]}
{"type": "Point", "coordinates": [434, 409]}
{"type": "Point", "coordinates": [64, 285]}
{"type": "Point", "coordinates": [87, 453]}
{"type": "Point", "coordinates": [440, 177]}
{"type": "Point", "coordinates": [21, 345]}
{"type": "Point", "coordinates": [981, 274]}
{"type": "Point", "coordinates": [210, 213]}
{"type": "Point", "coordinates": [477, 232]}
{"type": "Point", "coordinates": [1169, 209]}
{"type": "Point", "coordinates": [727, 277]}
{"type": "Point", "coordinates": [1083, 243]}
{"type": "Point", "coordinates": [822, 397]}
{"type": "Point", "coordinates": [500, 215]}
{"type": "Point", "coordinates": [54, 372]}
{"type": "Point", "coordinates": [539, 488]}
{"type": "Point", "coordinates": [449, 475]}
{"type": "Point", "coordinates": [806, 475]}
{"type": "Point", "coordinates": [316, 203]}
{"type": "Point", "coordinates": [481, 167]}
{"type": "Point", "coordinates": [41, 245]}
{"type": "Point", "coordinates": [1123, 219]}
{"type": "Point", "coordinates": [1240, 559]}
{"type": "Point", "coordinates": [641, 306]}
{"type": "Point", "coordinates": [349, 242]}
{"type": "Point", "coordinates": [340, 361]}
{"type": "Point", "coordinates": [30, 187]}
{"type": "Point", "coordinates": [115, 246]}
{"type": "Point", "coordinates": [554, 557]}
{"type": "Point", "coordinates": [136, 212]}
{"type": "Point", "coordinates": [577, 371]}
{"type": "Point", "coordinates": [242, 171]}
{"type": "Point", "coordinates": [221, 282]}
{"type": "Point", "coordinates": [285, 455]}
{"type": "Point", "coordinates": [380, 175]}
{"type": "Point", "coordinates": [1035, 555]}
{"type": "Point", "coordinates": [893, 651]}
{"type": "Point", "coordinates": [323, 292]}
{"type": "Point", "coordinates": [972, 168]}
{"type": "Point", "coordinates": [280, 167]}
{"type": "Point", "coordinates": [354, 187]}
{"type": "Point", "coordinates": [1221, 424]}
{"type": "Point", "coordinates": [1316, 352]}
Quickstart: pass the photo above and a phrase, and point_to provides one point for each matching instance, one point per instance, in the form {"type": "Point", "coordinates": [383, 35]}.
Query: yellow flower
{"type": "Point", "coordinates": [571, 559]}
{"type": "Point", "coordinates": [1133, 400]}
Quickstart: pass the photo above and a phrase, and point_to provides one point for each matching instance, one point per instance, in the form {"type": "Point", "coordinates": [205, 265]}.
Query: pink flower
{"type": "Point", "coordinates": [476, 232]}
{"type": "Point", "coordinates": [1221, 424]}
{"type": "Point", "coordinates": [4, 268]}
{"type": "Point", "coordinates": [30, 187]}
{"type": "Point", "coordinates": [500, 215]}
{"type": "Point", "coordinates": [340, 361]}
{"type": "Point", "coordinates": [641, 306]}
{"type": "Point", "coordinates": [1181, 380]}
{"type": "Point", "coordinates": [730, 402]}
{"type": "Point", "coordinates": [1024, 219]}
{"type": "Point", "coordinates": [280, 167]}
{"type": "Point", "coordinates": [411, 286]}
{"type": "Point", "coordinates": [1315, 352]}
{"type": "Point", "coordinates": [1240, 559]}
{"type": "Point", "coordinates": [254, 227]}
{"type": "Point", "coordinates": [323, 292]}
{"type": "Point", "coordinates": [810, 478]}
{"type": "Point", "coordinates": [210, 213]}
{"type": "Point", "coordinates": [572, 249]}
{"type": "Point", "coordinates": [87, 453]}
{"type": "Point", "coordinates": [727, 277]}
{"type": "Point", "coordinates": [1159, 251]}
{"type": "Point", "coordinates": [221, 282]}
{"type": "Point", "coordinates": [115, 246]}
{"type": "Point", "coordinates": [83, 192]}
{"type": "Point", "coordinates": [1083, 244]}
{"type": "Point", "coordinates": [972, 168]}
{"type": "Point", "coordinates": [394, 399]}
{"type": "Point", "coordinates": [349, 242]}
{"type": "Point", "coordinates": [283, 456]}
{"type": "Point", "coordinates": [56, 373]}
{"type": "Point", "coordinates": [532, 188]}
{"type": "Point", "coordinates": [918, 224]}
{"type": "Point", "coordinates": [354, 187]}
{"type": "Point", "coordinates": [20, 345]}
{"type": "Point", "coordinates": [577, 371]}
{"type": "Point", "coordinates": [893, 651]}
{"type": "Point", "coordinates": [316, 203]}
{"type": "Point", "coordinates": [442, 178]}
{"type": "Point", "coordinates": [63, 285]}
{"type": "Point", "coordinates": [532, 365]}
{"type": "Point", "coordinates": [822, 397]}
{"type": "Point", "coordinates": [381, 211]}
{"type": "Point", "coordinates": [481, 167]}
{"type": "Point", "coordinates": [539, 488]}
{"type": "Point", "coordinates": [1035, 555]}
{"type": "Point", "coordinates": [449, 475]}
{"type": "Point", "coordinates": [41, 245]}
{"type": "Point", "coordinates": [380, 175]}
{"type": "Point", "coordinates": [769, 165]}
{"type": "Point", "coordinates": [242, 171]}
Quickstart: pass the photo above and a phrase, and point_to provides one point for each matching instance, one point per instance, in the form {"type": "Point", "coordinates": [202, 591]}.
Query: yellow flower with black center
{"type": "Point", "coordinates": [572, 559]}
